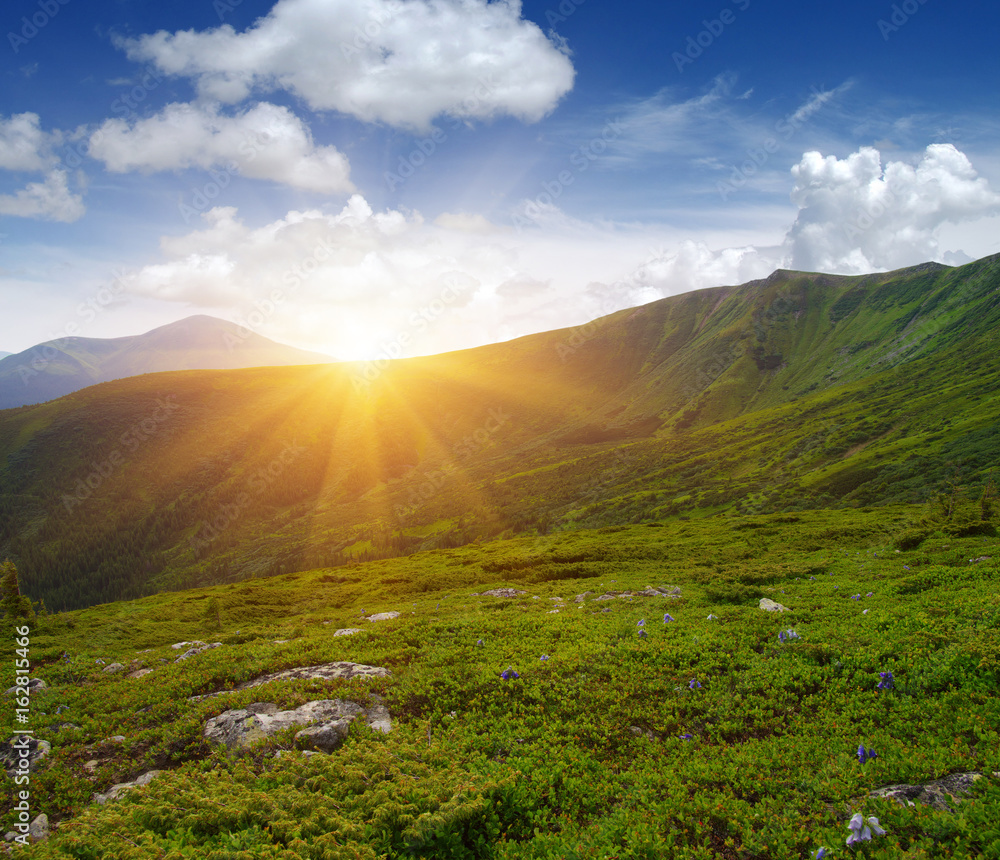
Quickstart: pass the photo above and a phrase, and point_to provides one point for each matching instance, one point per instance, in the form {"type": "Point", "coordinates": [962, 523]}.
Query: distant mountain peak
{"type": "Point", "coordinates": [200, 342]}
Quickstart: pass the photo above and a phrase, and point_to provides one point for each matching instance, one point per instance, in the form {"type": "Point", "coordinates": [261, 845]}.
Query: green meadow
{"type": "Point", "coordinates": [694, 726]}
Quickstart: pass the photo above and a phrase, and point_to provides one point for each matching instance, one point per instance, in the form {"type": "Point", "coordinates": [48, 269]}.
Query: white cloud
{"type": "Point", "coordinates": [23, 144]}
{"type": "Point", "coordinates": [264, 142]}
{"type": "Point", "coordinates": [379, 60]}
{"type": "Point", "coordinates": [857, 216]}
{"type": "Point", "coordinates": [50, 200]}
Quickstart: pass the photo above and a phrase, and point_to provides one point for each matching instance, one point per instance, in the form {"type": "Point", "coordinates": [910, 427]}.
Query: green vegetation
{"type": "Point", "coordinates": [797, 392]}
{"type": "Point", "coordinates": [707, 737]}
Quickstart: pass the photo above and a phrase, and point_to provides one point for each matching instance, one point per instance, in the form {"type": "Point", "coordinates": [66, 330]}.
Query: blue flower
{"type": "Point", "coordinates": [861, 831]}
{"type": "Point", "coordinates": [544, 657]}
{"type": "Point", "coordinates": [886, 683]}
{"type": "Point", "coordinates": [870, 594]}
{"type": "Point", "coordinates": [643, 634]}
{"type": "Point", "coordinates": [855, 597]}
{"type": "Point", "coordinates": [866, 755]}
{"type": "Point", "coordinates": [821, 852]}
{"type": "Point", "coordinates": [906, 567]}
{"type": "Point", "coordinates": [667, 618]}
{"type": "Point", "coordinates": [509, 673]}
{"type": "Point", "coordinates": [642, 622]}
{"type": "Point", "coordinates": [694, 684]}
{"type": "Point", "coordinates": [686, 737]}
{"type": "Point", "coordinates": [479, 641]}
{"type": "Point", "coordinates": [781, 636]}
{"type": "Point", "coordinates": [713, 617]}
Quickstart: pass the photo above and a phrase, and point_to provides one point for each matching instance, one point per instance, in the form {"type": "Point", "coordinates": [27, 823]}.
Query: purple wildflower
{"type": "Point", "coordinates": [509, 673]}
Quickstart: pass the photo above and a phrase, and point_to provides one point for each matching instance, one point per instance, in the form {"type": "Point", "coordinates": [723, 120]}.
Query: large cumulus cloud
{"type": "Point", "coordinates": [401, 63]}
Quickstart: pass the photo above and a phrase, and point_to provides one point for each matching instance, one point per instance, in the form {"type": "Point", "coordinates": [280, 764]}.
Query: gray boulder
{"type": "Point", "coordinates": [347, 631]}
{"type": "Point", "coordinates": [113, 669]}
{"type": "Point", "coordinates": [327, 721]}
{"type": "Point", "coordinates": [383, 616]}
{"type": "Point", "coordinates": [938, 794]}
{"type": "Point", "coordinates": [116, 790]}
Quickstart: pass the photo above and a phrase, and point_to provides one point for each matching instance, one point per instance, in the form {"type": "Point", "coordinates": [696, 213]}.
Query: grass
{"type": "Point", "coordinates": [586, 754]}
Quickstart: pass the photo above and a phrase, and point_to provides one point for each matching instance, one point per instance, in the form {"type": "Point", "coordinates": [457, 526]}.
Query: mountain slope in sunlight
{"type": "Point", "coordinates": [797, 391]}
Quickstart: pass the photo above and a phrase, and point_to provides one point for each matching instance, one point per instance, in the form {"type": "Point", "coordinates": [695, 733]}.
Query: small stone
{"type": "Point", "coordinates": [113, 668]}
{"type": "Point", "coordinates": [383, 616]}
{"type": "Point", "coordinates": [347, 631]}
{"type": "Point", "coordinates": [139, 673]}
{"type": "Point", "coordinates": [769, 605]}
{"type": "Point", "coordinates": [39, 828]}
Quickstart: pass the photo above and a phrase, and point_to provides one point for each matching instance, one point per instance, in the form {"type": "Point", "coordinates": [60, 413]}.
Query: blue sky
{"type": "Point", "coordinates": [397, 177]}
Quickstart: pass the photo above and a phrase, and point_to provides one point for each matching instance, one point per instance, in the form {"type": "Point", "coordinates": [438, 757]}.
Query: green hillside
{"type": "Point", "coordinates": [799, 391]}
{"type": "Point", "coordinates": [584, 715]}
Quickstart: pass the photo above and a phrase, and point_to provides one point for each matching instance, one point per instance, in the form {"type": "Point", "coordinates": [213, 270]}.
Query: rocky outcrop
{"type": "Point", "coordinates": [347, 631]}
{"type": "Point", "coordinates": [38, 830]}
{"type": "Point", "coordinates": [23, 752]}
{"type": "Point", "coordinates": [116, 790]}
{"type": "Point", "coordinates": [939, 794]}
{"type": "Point", "coordinates": [113, 669]}
{"type": "Point", "coordinates": [34, 685]}
{"type": "Point", "coordinates": [507, 593]}
{"type": "Point", "coordinates": [383, 616]}
{"type": "Point", "coordinates": [325, 722]}
{"type": "Point", "coordinates": [198, 649]}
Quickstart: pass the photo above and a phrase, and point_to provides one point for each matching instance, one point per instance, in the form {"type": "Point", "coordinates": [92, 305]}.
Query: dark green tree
{"type": "Point", "coordinates": [15, 606]}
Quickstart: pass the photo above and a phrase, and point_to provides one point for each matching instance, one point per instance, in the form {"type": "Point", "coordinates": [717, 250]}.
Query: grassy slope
{"type": "Point", "coordinates": [548, 765]}
{"type": "Point", "coordinates": [797, 391]}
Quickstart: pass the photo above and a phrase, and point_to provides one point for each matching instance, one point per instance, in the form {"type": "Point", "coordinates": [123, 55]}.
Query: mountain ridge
{"type": "Point", "coordinates": [805, 392]}
{"type": "Point", "coordinates": [55, 368]}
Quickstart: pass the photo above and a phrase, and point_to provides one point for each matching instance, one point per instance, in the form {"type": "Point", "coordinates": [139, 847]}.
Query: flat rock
{"type": "Point", "coordinates": [139, 673]}
{"type": "Point", "coordinates": [347, 631]}
{"type": "Point", "coordinates": [113, 668]}
{"type": "Point", "coordinates": [383, 616]}
{"type": "Point", "coordinates": [328, 721]}
{"type": "Point", "coordinates": [198, 649]}
{"type": "Point", "coordinates": [507, 593]}
{"type": "Point", "coordinates": [769, 605]}
{"type": "Point", "coordinates": [938, 794]}
{"type": "Point", "coordinates": [116, 790]}
{"type": "Point", "coordinates": [178, 645]}
{"type": "Point", "coordinates": [34, 685]}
